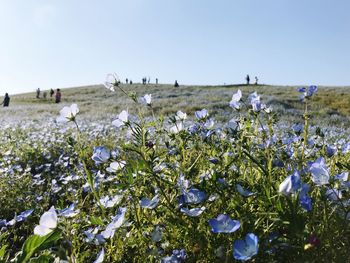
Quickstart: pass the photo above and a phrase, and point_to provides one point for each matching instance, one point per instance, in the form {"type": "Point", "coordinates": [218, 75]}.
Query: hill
{"type": "Point", "coordinates": [330, 105]}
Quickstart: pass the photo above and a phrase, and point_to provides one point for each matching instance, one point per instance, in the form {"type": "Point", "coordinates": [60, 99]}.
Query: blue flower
{"type": "Point", "coordinates": [100, 155]}
{"type": "Point", "coordinates": [178, 256]}
{"type": "Point", "coordinates": [224, 224]}
{"type": "Point", "coordinates": [243, 192]}
{"type": "Point", "coordinates": [334, 194]}
{"type": "Point", "coordinates": [346, 148]}
{"type": "Point", "coordinates": [307, 93]}
{"type": "Point", "coordinates": [291, 184]}
{"type": "Point", "coordinates": [193, 196]}
{"type": "Point", "coordinates": [319, 172]}
{"type": "Point", "coordinates": [342, 176]}
{"type": "Point", "coordinates": [306, 203]}
{"type": "Point", "coordinates": [247, 248]}
{"type": "Point", "coordinates": [193, 212]}
{"type": "Point", "coordinates": [149, 203]}
{"type": "Point", "coordinates": [69, 212]}
{"type": "Point", "coordinates": [311, 91]}
{"type": "Point", "coordinates": [298, 128]}
{"type": "Point", "coordinates": [331, 150]}
{"type": "Point", "coordinates": [117, 221]}
{"type": "Point", "coordinates": [22, 216]}
{"type": "Point", "coordinates": [110, 201]}
{"type": "Point", "coordinates": [257, 105]}
{"type": "Point", "coordinates": [202, 114]}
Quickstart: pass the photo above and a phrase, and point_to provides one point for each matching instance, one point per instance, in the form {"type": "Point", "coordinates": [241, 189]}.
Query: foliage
{"type": "Point", "coordinates": [171, 189]}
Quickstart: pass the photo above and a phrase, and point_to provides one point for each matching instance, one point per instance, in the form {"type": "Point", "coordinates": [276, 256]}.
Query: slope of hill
{"type": "Point", "coordinates": [330, 105]}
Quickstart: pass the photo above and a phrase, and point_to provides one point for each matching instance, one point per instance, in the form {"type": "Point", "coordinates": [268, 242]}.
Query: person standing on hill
{"type": "Point", "coordinates": [176, 85]}
{"type": "Point", "coordinates": [247, 78]}
{"type": "Point", "coordinates": [256, 80]}
{"type": "Point", "coordinates": [51, 93]}
{"type": "Point", "coordinates": [58, 96]}
{"type": "Point", "coordinates": [6, 101]}
{"type": "Point", "coordinates": [37, 93]}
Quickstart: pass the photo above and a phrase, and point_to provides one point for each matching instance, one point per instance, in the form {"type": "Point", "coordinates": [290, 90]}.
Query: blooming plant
{"type": "Point", "coordinates": [187, 188]}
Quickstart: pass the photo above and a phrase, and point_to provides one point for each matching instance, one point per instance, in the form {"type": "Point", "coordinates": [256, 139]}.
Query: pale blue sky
{"type": "Point", "coordinates": [64, 43]}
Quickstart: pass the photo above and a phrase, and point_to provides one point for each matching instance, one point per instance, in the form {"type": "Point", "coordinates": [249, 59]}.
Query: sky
{"type": "Point", "coordinates": [65, 43]}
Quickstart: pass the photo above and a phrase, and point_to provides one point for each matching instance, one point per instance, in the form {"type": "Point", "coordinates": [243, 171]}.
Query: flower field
{"type": "Point", "coordinates": [146, 187]}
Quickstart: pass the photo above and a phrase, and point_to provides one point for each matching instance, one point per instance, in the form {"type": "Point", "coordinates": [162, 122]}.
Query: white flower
{"type": "Point", "coordinates": [47, 223]}
{"type": "Point", "coordinates": [253, 96]}
{"type": "Point", "coordinates": [108, 202]}
{"type": "Point", "coordinates": [319, 172]}
{"type": "Point", "coordinates": [68, 113]}
{"type": "Point", "coordinates": [234, 103]}
{"type": "Point", "coordinates": [291, 184]}
{"type": "Point", "coordinates": [147, 99]}
{"type": "Point", "coordinates": [181, 116]}
{"type": "Point", "coordinates": [115, 166]}
{"type": "Point", "coordinates": [121, 119]}
{"type": "Point", "coordinates": [176, 128]}
{"type": "Point", "coordinates": [112, 81]}
{"type": "Point", "coordinates": [100, 256]}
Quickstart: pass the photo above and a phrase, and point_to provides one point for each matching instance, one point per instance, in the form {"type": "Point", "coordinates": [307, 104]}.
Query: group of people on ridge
{"type": "Point", "coordinates": [52, 92]}
{"type": "Point", "coordinates": [247, 78]}
{"type": "Point", "coordinates": [6, 101]}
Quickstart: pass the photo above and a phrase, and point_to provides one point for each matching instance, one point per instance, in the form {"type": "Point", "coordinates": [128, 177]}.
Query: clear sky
{"type": "Point", "coordinates": [65, 43]}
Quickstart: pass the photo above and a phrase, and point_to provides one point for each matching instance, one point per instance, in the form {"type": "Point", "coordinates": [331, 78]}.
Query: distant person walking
{"type": "Point", "coordinates": [247, 78]}
{"type": "Point", "coordinates": [256, 80]}
{"type": "Point", "coordinates": [176, 85]}
{"type": "Point", "coordinates": [156, 81]}
{"type": "Point", "coordinates": [6, 101]}
{"type": "Point", "coordinates": [37, 93]}
{"type": "Point", "coordinates": [58, 96]}
{"type": "Point", "coordinates": [126, 81]}
{"type": "Point", "coordinates": [51, 93]}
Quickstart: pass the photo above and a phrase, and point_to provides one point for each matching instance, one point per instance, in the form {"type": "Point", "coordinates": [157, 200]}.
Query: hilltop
{"type": "Point", "coordinates": [330, 105]}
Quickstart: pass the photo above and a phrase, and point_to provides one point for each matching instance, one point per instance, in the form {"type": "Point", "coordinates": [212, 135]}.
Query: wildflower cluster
{"type": "Point", "coordinates": [183, 189]}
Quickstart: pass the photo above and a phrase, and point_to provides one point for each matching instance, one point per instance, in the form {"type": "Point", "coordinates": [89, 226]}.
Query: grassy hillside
{"type": "Point", "coordinates": [331, 105]}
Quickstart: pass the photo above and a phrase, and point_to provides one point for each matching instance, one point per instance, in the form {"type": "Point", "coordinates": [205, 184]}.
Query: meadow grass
{"type": "Point", "coordinates": [331, 106]}
{"type": "Point", "coordinates": [157, 185]}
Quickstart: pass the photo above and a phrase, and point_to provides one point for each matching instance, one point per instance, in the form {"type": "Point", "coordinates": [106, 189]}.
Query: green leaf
{"type": "Point", "coordinates": [42, 259]}
{"type": "Point", "coordinates": [96, 221]}
{"type": "Point", "coordinates": [3, 251]}
{"type": "Point", "coordinates": [37, 243]}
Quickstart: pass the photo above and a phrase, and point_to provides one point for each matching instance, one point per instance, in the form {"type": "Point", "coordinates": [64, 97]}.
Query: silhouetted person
{"type": "Point", "coordinates": [126, 81]}
{"type": "Point", "coordinates": [256, 80]}
{"type": "Point", "coordinates": [51, 93]}
{"type": "Point", "coordinates": [156, 81]}
{"type": "Point", "coordinates": [37, 93]}
{"type": "Point", "coordinates": [176, 85]}
{"type": "Point", "coordinates": [6, 101]}
{"type": "Point", "coordinates": [58, 96]}
{"type": "Point", "coordinates": [149, 80]}
{"type": "Point", "coordinates": [247, 78]}
{"type": "Point", "coordinates": [130, 82]}
{"type": "Point", "coordinates": [44, 95]}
